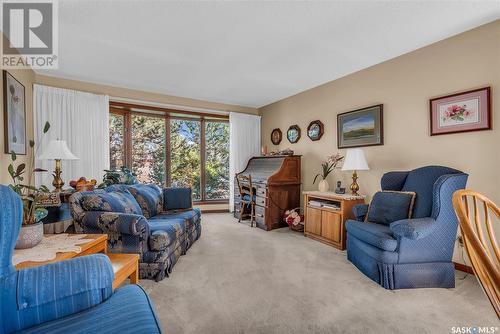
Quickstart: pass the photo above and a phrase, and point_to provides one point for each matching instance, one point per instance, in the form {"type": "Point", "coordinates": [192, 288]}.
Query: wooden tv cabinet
{"type": "Point", "coordinates": [327, 224]}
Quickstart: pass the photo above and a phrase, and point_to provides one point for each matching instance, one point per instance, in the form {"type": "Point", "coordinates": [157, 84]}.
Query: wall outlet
{"type": "Point", "coordinates": [460, 241]}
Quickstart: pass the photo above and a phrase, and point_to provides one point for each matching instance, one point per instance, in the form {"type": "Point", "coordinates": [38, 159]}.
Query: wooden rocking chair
{"type": "Point", "coordinates": [482, 248]}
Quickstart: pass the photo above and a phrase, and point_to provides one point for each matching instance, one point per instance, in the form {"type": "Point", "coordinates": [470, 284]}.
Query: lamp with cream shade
{"type": "Point", "coordinates": [355, 160]}
{"type": "Point", "coordinates": [57, 150]}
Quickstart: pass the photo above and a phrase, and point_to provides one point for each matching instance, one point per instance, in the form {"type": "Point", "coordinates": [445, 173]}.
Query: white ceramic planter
{"type": "Point", "coordinates": [323, 186]}
{"type": "Point", "coordinates": [30, 236]}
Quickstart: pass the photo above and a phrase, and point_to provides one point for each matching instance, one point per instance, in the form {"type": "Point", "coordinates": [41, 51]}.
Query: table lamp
{"type": "Point", "coordinates": [57, 150]}
{"type": "Point", "coordinates": [354, 161]}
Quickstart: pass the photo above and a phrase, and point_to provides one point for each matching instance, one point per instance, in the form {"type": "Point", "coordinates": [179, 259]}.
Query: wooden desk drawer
{"type": "Point", "coordinates": [261, 191]}
{"type": "Point", "coordinates": [260, 220]}
{"type": "Point", "coordinates": [260, 211]}
{"type": "Point", "coordinates": [262, 201]}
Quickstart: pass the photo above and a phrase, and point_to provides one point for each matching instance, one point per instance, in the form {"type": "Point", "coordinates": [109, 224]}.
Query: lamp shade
{"type": "Point", "coordinates": [57, 149]}
{"type": "Point", "coordinates": [355, 160]}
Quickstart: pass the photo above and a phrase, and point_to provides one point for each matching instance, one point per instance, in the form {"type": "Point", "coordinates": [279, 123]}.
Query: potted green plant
{"type": "Point", "coordinates": [22, 176]}
{"type": "Point", "coordinates": [327, 166]}
{"type": "Point", "coordinates": [122, 176]}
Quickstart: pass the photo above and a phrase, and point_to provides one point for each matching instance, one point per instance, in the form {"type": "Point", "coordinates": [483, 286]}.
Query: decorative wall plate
{"type": "Point", "coordinates": [276, 136]}
{"type": "Point", "coordinates": [293, 134]}
{"type": "Point", "coordinates": [315, 130]}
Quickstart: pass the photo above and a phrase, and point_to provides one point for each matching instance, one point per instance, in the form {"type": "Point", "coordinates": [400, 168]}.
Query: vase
{"type": "Point", "coordinates": [30, 235]}
{"type": "Point", "coordinates": [323, 186]}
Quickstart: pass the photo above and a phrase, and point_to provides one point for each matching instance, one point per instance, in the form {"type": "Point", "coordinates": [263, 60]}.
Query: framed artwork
{"type": "Point", "coordinates": [276, 136]}
{"type": "Point", "coordinates": [315, 130]}
{"type": "Point", "coordinates": [462, 112]}
{"type": "Point", "coordinates": [14, 110]}
{"type": "Point", "coordinates": [361, 127]}
{"type": "Point", "coordinates": [293, 134]}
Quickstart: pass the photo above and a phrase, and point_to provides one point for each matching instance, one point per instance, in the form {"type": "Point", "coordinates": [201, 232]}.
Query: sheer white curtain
{"type": "Point", "coordinates": [244, 134]}
{"type": "Point", "coordinates": [79, 118]}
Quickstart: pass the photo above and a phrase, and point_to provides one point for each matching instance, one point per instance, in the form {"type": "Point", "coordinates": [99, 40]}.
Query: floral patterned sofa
{"type": "Point", "coordinates": [158, 224]}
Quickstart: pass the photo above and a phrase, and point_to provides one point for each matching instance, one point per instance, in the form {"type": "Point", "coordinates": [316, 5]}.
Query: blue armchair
{"type": "Point", "coordinates": [73, 296]}
{"type": "Point", "coordinates": [410, 253]}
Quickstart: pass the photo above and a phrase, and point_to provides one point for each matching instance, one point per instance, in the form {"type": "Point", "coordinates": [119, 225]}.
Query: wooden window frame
{"type": "Point", "coordinates": [129, 109]}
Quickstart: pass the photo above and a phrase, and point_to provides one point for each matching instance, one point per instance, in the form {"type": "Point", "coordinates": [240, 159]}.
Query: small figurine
{"type": "Point", "coordinates": [339, 189]}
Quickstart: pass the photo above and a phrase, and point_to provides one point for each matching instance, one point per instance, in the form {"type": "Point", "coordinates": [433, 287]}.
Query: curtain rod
{"type": "Point", "coordinates": [169, 106]}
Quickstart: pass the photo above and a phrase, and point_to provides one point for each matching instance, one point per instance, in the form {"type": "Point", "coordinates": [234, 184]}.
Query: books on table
{"type": "Point", "coordinates": [322, 204]}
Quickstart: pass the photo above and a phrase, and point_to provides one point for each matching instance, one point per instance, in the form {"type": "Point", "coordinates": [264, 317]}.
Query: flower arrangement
{"type": "Point", "coordinates": [294, 219]}
{"type": "Point", "coordinates": [329, 165]}
{"type": "Point", "coordinates": [456, 113]}
{"type": "Point", "coordinates": [32, 212]}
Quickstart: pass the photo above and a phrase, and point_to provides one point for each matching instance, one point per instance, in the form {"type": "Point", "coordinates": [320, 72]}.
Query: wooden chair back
{"type": "Point", "coordinates": [245, 185]}
{"type": "Point", "coordinates": [478, 233]}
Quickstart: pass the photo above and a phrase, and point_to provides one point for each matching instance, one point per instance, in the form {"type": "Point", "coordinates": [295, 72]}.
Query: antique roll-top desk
{"type": "Point", "coordinates": [276, 180]}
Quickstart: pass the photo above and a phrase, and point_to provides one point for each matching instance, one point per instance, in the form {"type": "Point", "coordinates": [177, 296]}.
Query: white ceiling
{"type": "Point", "coordinates": [247, 53]}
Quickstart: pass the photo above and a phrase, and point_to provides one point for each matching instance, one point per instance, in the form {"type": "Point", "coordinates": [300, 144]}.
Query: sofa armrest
{"type": "Point", "coordinates": [413, 229]}
{"type": "Point", "coordinates": [360, 211]}
{"type": "Point", "coordinates": [177, 198]}
{"type": "Point", "coordinates": [125, 223]}
{"type": "Point", "coordinates": [59, 289]}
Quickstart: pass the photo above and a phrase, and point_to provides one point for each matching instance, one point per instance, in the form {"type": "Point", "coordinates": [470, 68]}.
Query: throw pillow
{"type": "Point", "coordinates": [389, 206]}
{"type": "Point", "coordinates": [149, 197]}
{"type": "Point", "coordinates": [116, 201]}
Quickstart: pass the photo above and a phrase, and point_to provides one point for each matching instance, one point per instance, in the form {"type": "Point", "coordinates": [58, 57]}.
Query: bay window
{"type": "Point", "coordinates": [172, 148]}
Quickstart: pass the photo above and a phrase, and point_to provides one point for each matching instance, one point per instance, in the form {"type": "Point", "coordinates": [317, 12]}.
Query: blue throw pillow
{"type": "Point", "coordinates": [390, 206]}
{"type": "Point", "coordinates": [149, 197]}
{"type": "Point", "coordinates": [116, 201]}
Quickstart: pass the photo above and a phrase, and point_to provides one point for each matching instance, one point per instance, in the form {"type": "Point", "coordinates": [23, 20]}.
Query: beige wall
{"type": "Point", "coordinates": [138, 95]}
{"type": "Point", "coordinates": [404, 85]}
{"type": "Point", "coordinates": [25, 77]}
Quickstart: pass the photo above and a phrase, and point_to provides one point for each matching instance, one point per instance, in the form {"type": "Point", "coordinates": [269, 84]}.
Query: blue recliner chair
{"type": "Point", "coordinates": [73, 296]}
{"type": "Point", "coordinates": [410, 253]}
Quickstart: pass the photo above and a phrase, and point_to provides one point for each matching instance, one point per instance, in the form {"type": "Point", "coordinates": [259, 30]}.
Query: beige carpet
{"type": "Point", "coordinates": [238, 279]}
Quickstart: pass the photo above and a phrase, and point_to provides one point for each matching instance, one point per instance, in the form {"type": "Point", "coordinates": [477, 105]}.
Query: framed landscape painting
{"type": "Point", "coordinates": [361, 127]}
{"type": "Point", "coordinates": [462, 112]}
{"type": "Point", "coordinates": [14, 106]}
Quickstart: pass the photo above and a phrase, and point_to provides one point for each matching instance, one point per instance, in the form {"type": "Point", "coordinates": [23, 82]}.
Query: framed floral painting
{"type": "Point", "coordinates": [461, 112]}
{"type": "Point", "coordinates": [14, 110]}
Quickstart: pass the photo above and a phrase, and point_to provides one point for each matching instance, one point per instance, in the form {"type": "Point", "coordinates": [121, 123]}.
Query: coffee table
{"type": "Point", "coordinates": [124, 265]}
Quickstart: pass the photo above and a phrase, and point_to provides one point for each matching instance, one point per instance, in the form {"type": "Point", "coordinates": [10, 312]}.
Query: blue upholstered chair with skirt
{"type": "Point", "coordinates": [416, 252]}
{"type": "Point", "coordinates": [73, 296]}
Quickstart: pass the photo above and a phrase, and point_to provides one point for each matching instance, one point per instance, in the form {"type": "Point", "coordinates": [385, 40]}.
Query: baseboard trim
{"type": "Point", "coordinates": [215, 211]}
{"type": "Point", "coordinates": [463, 267]}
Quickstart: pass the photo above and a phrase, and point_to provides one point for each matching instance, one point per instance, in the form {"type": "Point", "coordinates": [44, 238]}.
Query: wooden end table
{"type": "Point", "coordinates": [124, 265]}
{"type": "Point", "coordinates": [326, 223]}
